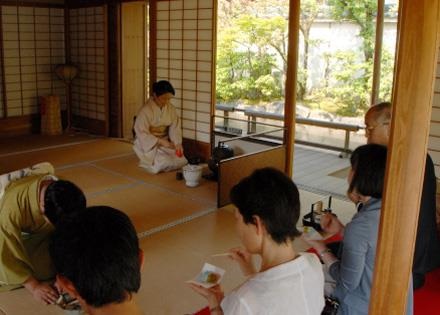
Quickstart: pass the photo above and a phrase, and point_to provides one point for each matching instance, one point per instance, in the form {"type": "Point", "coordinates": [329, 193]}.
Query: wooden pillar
{"type": "Point", "coordinates": [412, 100]}
{"type": "Point", "coordinates": [377, 52]}
{"type": "Point", "coordinates": [114, 69]}
{"type": "Point", "coordinates": [291, 77]}
{"type": "Point", "coordinates": [153, 43]}
{"type": "Point", "coordinates": [213, 77]}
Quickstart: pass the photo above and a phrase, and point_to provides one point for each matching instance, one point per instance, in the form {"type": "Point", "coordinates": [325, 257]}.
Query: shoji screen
{"type": "Point", "coordinates": [88, 52]}
{"type": "Point", "coordinates": [33, 43]}
{"type": "Point", "coordinates": [184, 50]}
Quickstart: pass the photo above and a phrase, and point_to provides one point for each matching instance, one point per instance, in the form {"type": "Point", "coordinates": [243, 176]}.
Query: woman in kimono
{"type": "Point", "coordinates": [158, 142]}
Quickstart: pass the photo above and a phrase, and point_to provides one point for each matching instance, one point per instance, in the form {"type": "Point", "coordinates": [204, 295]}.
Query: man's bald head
{"type": "Point", "coordinates": [377, 122]}
{"type": "Point", "coordinates": [381, 112]}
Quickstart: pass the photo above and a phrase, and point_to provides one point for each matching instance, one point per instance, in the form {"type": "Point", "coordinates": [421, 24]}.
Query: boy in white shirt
{"type": "Point", "coordinates": [267, 210]}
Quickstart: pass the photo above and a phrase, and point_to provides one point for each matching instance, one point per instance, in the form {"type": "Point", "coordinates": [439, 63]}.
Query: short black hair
{"type": "Point", "coordinates": [62, 198]}
{"type": "Point", "coordinates": [368, 163]}
{"type": "Point", "coordinates": [163, 87]}
{"type": "Point", "coordinates": [98, 251]}
{"type": "Point", "coordinates": [274, 197]}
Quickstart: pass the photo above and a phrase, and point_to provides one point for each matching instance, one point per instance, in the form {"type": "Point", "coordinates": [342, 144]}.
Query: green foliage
{"type": "Point", "coordinates": [345, 85]}
{"type": "Point", "coordinates": [346, 89]}
{"type": "Point", "coordinates": [387, 75]}
{"type": "Point", "coordinates": [361, 12]}
{"type": "Point", "coordinates": [350, 88]}
{"type": "Point", "coordinates": [252, 55]}
{"type": "Point", "coordinates": [246, 58]}
{"type": "Point", "coordinates": [310, 9]}
{"type": "Point", "coordinates": [268, 87]}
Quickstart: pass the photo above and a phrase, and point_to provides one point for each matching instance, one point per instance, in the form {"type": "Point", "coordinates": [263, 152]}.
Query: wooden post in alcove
{"type": "Point", "coordinates": [133, 83]}
{"type": "Point", "coordinates": [412, 100]}
{"type": "Point", "coordinates": [290, 87]}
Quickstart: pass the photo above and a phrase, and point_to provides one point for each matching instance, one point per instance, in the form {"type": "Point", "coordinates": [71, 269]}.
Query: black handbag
{"type": "Point", "coordinates": [331, 306]}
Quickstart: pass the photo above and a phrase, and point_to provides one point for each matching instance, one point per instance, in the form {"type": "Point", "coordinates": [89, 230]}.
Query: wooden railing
{"type": "Point", "coordinates": [252, 122]}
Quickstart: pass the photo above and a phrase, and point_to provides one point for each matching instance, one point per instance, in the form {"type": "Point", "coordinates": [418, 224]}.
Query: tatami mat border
{"type": "Point", "coordinates": [149, 184]}
{"type": "Point", "coordinates": [67, 166]}
{"type": "Point", "coordinates": [114, 189]}
{"type": "Point", "coordinates": [137, 182]}
{"type": "Point", "coordinates": [48, 147]}
{"type": "Point", "coordinates": [170, 225]}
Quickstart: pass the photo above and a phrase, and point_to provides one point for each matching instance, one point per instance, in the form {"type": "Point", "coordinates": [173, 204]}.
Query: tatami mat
{"type": "Point", "coordinates": [38, 142]}
{"type": "Point", "coordinates": [171, 258]}
{"type": "Point", "coordinates": [93, 180]}
{"type": "Point", "coordinates": [178, 254]}
{"type": "Point", "coordinates": [67, 155]}
{"type": "Point", "coordinates": [174, 256]}
{"type": "Point", "coordinates": [21, 302]}
{"type": "Point", "coordinates": [180, 227]}
{"type": "Point", "coordinates": [107, 171]}
{"type": "Point", "coordinates": [149, 206]}
{"type": "Point", "coordinates": [128, 166]}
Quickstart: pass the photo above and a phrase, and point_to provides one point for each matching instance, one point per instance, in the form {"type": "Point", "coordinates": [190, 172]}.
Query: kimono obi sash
{"type": "Point", "coordinates": [159, 131]}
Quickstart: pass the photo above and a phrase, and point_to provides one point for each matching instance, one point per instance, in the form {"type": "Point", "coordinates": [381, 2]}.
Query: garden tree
{"type": "Point", "coordinates": [230, 10]}
{"type": "Point", "coordinates": [342, 90]}
{"type": "Point", "coordinates": [264, 33]}
{"type": "Point", "coordinates": [310, 9]}
{"type": "Point", "coordinates": [362, 13]}
{"type": "Point", "coordinates": [257, 8]}
{"type": "Point", "coordinates": [386, 75]}
{"type": "Point", "coordinates": [228, 67]}
{"type": "Point", "coordinates": [263, 24]}
{"type": "Point", "coordinates": [348, 89]}
{"type": "Point", "coordinates": [246, 61]}
{"type": "Point", "coordinates": [252, 54]}
{"type": "Point", "coordinates": [271, 19]}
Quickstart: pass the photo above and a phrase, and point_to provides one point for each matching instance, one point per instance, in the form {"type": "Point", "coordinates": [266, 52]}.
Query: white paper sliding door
{"type": "Point", "coordinates": [88, 27]}
{"type": "Point", "coordinates": [184, 43]}
{"type": "Point", "coordinates": [33, 43]}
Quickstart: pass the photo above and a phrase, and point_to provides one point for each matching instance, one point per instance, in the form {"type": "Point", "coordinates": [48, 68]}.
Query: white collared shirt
{"type": "Point", "coordinates": [295, 287]}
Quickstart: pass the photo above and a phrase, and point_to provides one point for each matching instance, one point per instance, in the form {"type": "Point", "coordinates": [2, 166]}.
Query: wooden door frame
{"type": "Point", "coordinates": [418, 43]}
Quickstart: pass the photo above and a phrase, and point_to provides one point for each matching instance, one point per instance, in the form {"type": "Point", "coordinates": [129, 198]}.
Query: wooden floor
{"type": "Point", "coordinates": [179, 227]}
{"type": "Point", "coordinates": [320, 171]}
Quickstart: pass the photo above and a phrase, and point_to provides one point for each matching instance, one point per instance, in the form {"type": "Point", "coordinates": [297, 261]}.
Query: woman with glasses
{"type": "Point", "coordinates": [352, 267]}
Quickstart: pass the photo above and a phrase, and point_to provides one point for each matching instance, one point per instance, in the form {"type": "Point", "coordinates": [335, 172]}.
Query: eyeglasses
{"type": "Point", "coordinates": [369, 129]}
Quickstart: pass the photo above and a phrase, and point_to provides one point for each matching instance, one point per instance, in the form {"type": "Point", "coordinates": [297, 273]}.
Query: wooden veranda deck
{"type": "Point", "coordinates": [320, 171]}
